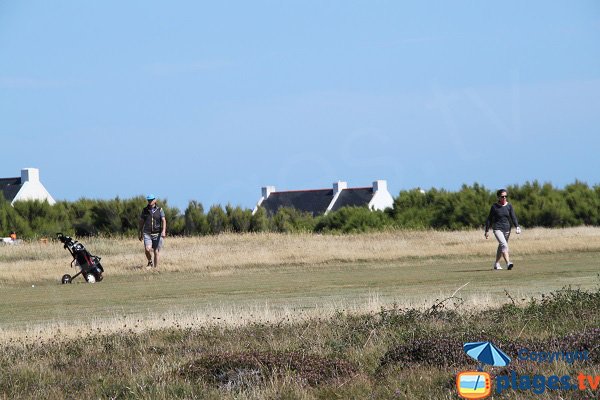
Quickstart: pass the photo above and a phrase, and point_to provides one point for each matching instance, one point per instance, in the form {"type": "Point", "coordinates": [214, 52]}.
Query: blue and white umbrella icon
{"type": "Point", "coordinates": [487, 353]}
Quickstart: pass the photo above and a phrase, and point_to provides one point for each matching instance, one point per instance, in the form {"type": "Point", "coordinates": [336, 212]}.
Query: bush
{"type": "Point", "coordinates": [11, 220]}
{"type": "Point", "coordinates": [291, 220]}
{"type": "Point", "coordinates": [413, 209]}
{"type": "Point", "coordinates": [239, 219]}
{"type": "Point", "coordinates": [217, 220]}
{"type": "Point", "coordinates": [259, 222]}
{"type": "Point", "coordinates": [246, 369]}
{"type": "Point", "coordinates": [353, 220]}
{"type": "Point", "coordinates": [195, 220]}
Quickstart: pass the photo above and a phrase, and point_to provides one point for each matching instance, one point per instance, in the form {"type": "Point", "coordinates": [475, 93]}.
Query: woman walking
{"type": "Point", "coordinates": [500, 218]}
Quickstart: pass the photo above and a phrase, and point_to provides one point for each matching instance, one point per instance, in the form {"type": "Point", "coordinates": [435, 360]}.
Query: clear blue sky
{"type": "Point", "coordinates": [210, 100]}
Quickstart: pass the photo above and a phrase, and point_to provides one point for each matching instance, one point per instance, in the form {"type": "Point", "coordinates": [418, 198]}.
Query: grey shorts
{"type": "Point", "coordinates": [153, 240]}
{"type": "Point", "coordinates": [502, 238]}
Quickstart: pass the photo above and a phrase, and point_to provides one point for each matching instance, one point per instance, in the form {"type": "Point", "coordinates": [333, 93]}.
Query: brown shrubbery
{"type": "Point", "coordinates": [243, 369]}
{"type": "Point", "coordinates": [447, 350]}
{"type": "Point", "coordinates": [391, 354]}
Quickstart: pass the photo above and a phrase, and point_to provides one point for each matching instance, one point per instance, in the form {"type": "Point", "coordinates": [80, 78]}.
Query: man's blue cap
{"type": "Point", "coordinates": [150, 197]}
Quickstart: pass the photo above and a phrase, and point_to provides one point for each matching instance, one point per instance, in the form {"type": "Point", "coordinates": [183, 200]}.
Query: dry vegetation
{"type": "Point", "coordinates": [235, 280]}
{"type": "Point", "coordinates": [234, 345]}
{"type": "Point", "coordinates": [391, 354]}
{"type": "Point", "coordinates": [228, 253]}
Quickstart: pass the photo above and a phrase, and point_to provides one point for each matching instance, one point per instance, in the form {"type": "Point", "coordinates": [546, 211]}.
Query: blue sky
{"type": "Point", "coordinates": [209, 101]}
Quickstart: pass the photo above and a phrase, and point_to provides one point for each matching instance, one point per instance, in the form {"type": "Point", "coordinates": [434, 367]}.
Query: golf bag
{"type": "Point", "coordinates": [88, 264]}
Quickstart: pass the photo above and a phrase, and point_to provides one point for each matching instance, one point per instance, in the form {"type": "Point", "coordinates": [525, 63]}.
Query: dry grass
{"type": "Point", "coordinates": [221, 278]}
{"type": "Point", "coordinates": [322, 296]}
{"type": "Point", "coordinates": [228, 253]}
{"type": "Point", "coordinates": [210, 315]}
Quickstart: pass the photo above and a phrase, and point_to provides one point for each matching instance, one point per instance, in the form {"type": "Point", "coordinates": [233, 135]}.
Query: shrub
{"type": "Point", "coordinates": [245, 369]}
{"type": "Point", "coordinates": [259, 222]}
{"type": "Point", "coordinates": [195, 221]}
{"type": "Point", "coordinates": [535, 205]}
{"type": "Point", "coordinates": [239, 219]}
{"type": "Point", "coordinates": [217, 220]}
{"type": "Point", "coordinates": [353, 220]}
{"type": "Point", "coordinates": [291, 220]}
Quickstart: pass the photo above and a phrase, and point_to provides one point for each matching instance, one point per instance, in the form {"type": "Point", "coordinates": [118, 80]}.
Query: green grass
{"type": "Point", "coordinates": [288, 289]}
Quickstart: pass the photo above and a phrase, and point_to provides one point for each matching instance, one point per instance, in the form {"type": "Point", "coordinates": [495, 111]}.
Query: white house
{"type": "Point", "coordinates": [322, 201]}
{"type": "Point", "coordinates": [25, 187]}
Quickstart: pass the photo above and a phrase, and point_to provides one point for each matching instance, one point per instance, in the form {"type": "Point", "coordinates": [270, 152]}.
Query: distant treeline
{"type": "Point", "coordinates": [535, 204]}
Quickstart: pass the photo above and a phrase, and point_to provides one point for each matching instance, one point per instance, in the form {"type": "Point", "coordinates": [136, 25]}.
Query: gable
{"type": "Point", "coordinates": [25, 188]}
{"type": "Point", "coordinates": [353, 197]}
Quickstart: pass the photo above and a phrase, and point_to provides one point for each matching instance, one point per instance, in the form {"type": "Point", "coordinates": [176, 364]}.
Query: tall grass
{"type": "Point", "coordinates": [392, 353]}
{"type": "Point", "coordinates": [228, 253]}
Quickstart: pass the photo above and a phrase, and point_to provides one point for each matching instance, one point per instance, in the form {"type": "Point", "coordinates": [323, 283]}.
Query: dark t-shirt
{"type": "Point", "coordinates": [500, 218]}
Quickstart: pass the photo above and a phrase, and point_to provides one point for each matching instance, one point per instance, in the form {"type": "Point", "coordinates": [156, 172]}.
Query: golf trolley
{"type": "Point", "coordinates": [88, 264]}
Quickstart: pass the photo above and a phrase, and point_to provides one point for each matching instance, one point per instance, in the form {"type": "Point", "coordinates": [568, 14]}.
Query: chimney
{"type": "Point", "coordinates": [379, 185]}
{"type": "Point", "coordinates": [339, 186]}
{"type": "Point", "coordinates": [267, 190]}
{"type": "Point", "coordinates": [30, 175]}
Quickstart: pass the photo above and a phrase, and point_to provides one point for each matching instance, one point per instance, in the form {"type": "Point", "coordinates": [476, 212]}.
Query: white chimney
{"type": "Point", "coordinates": [339, 186]}
{"type": "Point", "coordinates": [379, 185]}
{"type": "Point", "coordinates": [267, 190]}
{"type": "Point", "coordinates": [382, 199]}
{"type": "Point", "coordinates": [30, 175]}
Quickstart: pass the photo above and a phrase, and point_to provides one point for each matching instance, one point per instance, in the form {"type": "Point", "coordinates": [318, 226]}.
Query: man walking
{"type": "Point", "coordinates": [152, 230]}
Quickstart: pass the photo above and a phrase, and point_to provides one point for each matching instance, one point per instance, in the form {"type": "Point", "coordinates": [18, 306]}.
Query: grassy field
{"type": "Point", "coordinates": [292, 316]}
{"type": "Point", "coordinates": [236, 279]}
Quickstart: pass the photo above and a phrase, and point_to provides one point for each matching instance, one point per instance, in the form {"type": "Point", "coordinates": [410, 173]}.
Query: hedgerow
{"type": "Point", "coordinates": [536, 205]}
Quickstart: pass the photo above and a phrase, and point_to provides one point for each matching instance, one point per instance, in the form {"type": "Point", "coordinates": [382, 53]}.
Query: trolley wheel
{"type": "Point", "coordinates": [66, 279]}
{"type": "Point", "coordinates": [90, 278]}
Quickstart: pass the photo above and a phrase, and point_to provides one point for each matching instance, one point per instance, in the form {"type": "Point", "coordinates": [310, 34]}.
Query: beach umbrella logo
{"type": "Point", "coordinates": [487, 353]}
{"type": "Point", "coordinates": [478, 384]}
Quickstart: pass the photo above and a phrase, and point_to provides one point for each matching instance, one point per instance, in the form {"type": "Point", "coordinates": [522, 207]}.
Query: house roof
{"type": "Point", "coordinates": [10, 187]}
{"type": "Point", "coordinates": [354, 197]}
{"type": "Point", "coordinates": [316, 202]}
{"type": "Point", "coordinates": [311, 201]}
{"type": "Point", "coordinates": [322, 201]}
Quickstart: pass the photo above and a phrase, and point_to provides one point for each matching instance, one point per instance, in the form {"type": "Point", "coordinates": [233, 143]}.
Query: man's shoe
{"type": "Point", "coordinates": [510, 266]}
{"type": "Point", "coordinates": [497, 266]}
{"type": "Point", "coordinates": [150, 265]}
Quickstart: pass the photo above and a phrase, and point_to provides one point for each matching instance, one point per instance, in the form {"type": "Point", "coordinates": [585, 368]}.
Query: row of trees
{"type": "Point", "coordinates": [536, 205]}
